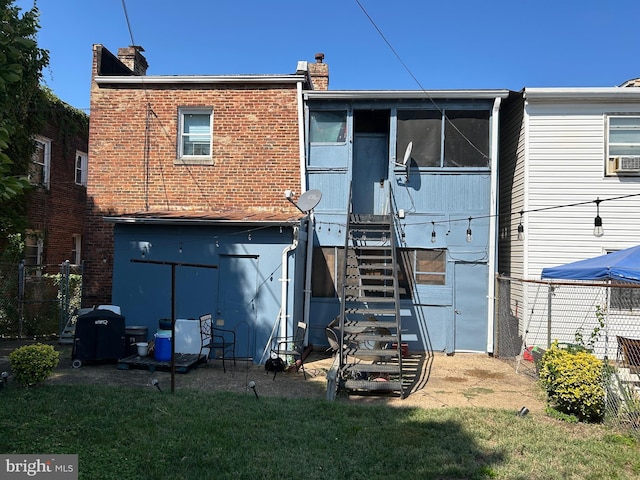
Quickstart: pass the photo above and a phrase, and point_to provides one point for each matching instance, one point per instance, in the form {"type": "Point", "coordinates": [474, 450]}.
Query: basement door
{"type": "Point", "coordinates": [237, 288]}
{"type": "Point", "coordinates": [370, 173]}
{"type": "Point", "coordinates": [470, 306]}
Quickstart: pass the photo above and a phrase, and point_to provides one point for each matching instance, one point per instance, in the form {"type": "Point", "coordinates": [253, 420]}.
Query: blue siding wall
{"type": "Point", "coordinates": [245, 293]}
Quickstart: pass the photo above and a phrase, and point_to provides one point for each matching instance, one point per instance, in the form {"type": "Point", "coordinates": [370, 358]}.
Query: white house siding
{"type": "Point", "coordinates": [565, 165]}
{"type": "Point", "coordinates": [561, 165]}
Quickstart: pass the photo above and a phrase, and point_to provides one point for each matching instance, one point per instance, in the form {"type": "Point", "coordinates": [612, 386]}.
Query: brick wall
{"type": "Point", "coordinates": [59, 211]}
{"type": "Point", "coordinates": [255, 150]}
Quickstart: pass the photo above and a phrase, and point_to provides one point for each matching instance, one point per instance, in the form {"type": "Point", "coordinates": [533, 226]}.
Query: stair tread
{"type": "Point", "coordinates": [373, 385]}
{"type": "Point", "coordinates": [364, 298]}
{"type": "Point", "coordinates": [372, 311]}
{"type": "Point", "coordinates": [368, 337]}
{"type": "Point", "coordinates": [371, 352]}
{"type": "Point", "coordinates": [373, 367]}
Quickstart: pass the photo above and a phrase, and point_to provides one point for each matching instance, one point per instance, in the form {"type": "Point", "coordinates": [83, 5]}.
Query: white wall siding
{"type": "Point", "coordinates": [566, 166]}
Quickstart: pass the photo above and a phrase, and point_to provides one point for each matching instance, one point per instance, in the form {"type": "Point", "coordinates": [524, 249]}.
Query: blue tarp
{"type": "Point", "coordinates": [622, 266]}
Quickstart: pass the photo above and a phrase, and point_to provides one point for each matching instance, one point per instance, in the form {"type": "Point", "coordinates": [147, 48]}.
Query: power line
{"type": "Point", "coordinates": [397, 55]}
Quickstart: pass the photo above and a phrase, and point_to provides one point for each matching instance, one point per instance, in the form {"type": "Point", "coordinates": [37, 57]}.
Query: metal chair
{"type": "Point", "coordinates": [219, 341]}
{"type": "Point", "coordinates": [291, 346]}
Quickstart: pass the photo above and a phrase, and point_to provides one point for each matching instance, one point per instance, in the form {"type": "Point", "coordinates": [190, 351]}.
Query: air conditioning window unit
{"type": "Point", "coordinates": [625, 164]}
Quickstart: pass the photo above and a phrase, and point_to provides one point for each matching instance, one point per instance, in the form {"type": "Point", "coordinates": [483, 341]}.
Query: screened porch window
{"type": "Point", "coordinates": [447, 138]}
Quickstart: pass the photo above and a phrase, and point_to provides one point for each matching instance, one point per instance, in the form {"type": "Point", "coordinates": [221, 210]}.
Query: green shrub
{"type": "Point", "coordinates": [573, 382]}
{"type": "Point", "coordinates": [33, 364]}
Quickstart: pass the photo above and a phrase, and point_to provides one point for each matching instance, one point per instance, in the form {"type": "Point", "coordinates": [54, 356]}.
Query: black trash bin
{"type": "Point", "coordinates": [100, 336]}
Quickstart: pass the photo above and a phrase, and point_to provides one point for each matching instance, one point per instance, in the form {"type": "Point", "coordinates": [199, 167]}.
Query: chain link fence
{"type": "Point", "coordinates": [599, 316]}
{"type": "Point", "coordinates": [38, 300]}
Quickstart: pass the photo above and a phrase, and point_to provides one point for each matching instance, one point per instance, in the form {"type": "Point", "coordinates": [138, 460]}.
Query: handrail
{"type": "Point", "coordinates": [396, 294]}
{"type": "Point", "coordinates": [343, 276]}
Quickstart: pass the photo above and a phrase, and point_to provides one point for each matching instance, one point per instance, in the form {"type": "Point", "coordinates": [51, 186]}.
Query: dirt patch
{"type": "Point", "coordinates": [460, 380]}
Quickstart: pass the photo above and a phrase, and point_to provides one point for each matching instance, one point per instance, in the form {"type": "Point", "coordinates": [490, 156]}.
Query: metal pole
{"type": "Point", "coordinates": [549, 296]}
{"type": "Point", "coordinates": [173, 327]}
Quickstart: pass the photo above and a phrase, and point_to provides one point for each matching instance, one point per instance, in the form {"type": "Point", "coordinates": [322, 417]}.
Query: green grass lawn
{"type": "Point", "coordinates": [122, 433]}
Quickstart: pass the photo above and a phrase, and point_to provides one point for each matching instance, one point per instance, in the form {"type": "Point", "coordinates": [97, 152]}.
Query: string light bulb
{"type": "Point", "coordinates": [433, 232]}
{"type": "Point", "coordinates": [180, 249]}
{"type": "Point", "coordinates": [469, 235]}
{"type": "Point", "coordinates": [520, 228]}
{"type": "Point", "coordinates": [598, 231]}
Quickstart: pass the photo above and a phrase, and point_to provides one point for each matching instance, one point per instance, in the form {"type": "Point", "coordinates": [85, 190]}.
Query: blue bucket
{"type": "Point", "coordinates": [162, 352]}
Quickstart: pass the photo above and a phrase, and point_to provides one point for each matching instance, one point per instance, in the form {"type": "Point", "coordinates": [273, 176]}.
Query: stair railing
{"type": "Point", "coordinates": [343, 276]}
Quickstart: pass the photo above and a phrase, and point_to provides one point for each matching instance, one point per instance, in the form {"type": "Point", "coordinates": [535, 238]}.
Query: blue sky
{"type": "Point", "coordinates": [467, 44]}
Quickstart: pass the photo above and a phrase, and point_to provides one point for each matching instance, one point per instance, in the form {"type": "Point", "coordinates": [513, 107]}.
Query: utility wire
{"type": "Point", "coordinates": [402, 62]}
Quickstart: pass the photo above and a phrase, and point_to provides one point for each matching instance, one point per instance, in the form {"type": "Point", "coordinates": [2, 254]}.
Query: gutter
{"type": "Point", "coordinates": [404, 94]}
{"type": "Point", "coordinates": [191, 79]}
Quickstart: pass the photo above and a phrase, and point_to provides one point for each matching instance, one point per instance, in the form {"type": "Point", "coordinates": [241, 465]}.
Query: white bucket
{"type": "Point", "coordinates": [143, 349]}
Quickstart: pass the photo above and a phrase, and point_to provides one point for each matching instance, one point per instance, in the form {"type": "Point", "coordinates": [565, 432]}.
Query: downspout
{"type": "Point", "coordinates": [495, 130]}
{"type": "Point", "coordinates": [285, 283]}
{"type": "Point", "coordinates": [311, 220]}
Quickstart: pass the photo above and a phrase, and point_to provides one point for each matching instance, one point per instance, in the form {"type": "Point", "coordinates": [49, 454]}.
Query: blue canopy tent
{"type": "Point", "coordinates": [620, 266]}
{"type": "Point", "coordinates": [623, 266]}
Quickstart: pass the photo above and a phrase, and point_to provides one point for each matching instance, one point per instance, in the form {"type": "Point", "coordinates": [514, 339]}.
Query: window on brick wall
{"type": "Point", "coordinates": [33, 248]}
{"type": "Point", "coordinates": [76, 249]}
{"type": "Point", "coordinates": [195, 135]}
{"type": "Point", "coordinates": [39, 169]}
{"type": "Point", "coordinates": [81, 169]}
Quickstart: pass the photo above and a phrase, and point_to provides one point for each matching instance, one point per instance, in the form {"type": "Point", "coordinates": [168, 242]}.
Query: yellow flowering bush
{"type": "Point", "coordinates": [33, 364]}
{"type": "Point", "coordinates": [573, 382]}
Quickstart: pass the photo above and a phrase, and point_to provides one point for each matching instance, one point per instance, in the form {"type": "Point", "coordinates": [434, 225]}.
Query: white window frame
{"type": "Point", "coordinates": [46, 161]}
{"type": "Point", "coordinates": [76, 252]}
{"type": "Point", "coordinates": [206, 159]}
{"type": "Point", "coordinates": [80, 173]}
{"type": "Point", "coordinates": [34, 239]}
{"type": "Point", "coordinates": [630, 149]}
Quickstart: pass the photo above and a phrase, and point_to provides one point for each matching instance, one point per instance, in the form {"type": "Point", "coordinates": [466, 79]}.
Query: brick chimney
{"type": "Point", "coordinates": [319, 73]}
{"type": "Point", "coordinates": [133, 58]}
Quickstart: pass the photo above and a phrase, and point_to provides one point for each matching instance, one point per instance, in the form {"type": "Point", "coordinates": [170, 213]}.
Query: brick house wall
{"type": "Point", "coordinates": [133, 151]}
{"type": "Point", "coordinates": [59, 211]}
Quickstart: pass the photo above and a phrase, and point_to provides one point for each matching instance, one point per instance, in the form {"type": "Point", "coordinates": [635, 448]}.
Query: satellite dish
{"type": "Point", "coordinates": [308, 200]}
{"type": "Point", "coordinates": [406, 160]}
{"type": "Point", "coordinates": [407, 154]}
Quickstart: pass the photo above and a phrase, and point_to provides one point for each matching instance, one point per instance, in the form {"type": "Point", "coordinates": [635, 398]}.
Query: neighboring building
{"type": "Point", "coordinates": [193, 169]}
{"type": "Point", "coordinates": [56, 203]}
{"type": "Point", "coordinates": [567, 156]}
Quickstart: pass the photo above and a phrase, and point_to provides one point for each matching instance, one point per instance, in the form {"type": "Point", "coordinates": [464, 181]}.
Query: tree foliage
{"type": "Point", "coordinates": [21, 65]}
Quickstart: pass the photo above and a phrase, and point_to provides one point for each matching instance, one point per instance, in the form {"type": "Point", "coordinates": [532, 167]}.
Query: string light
{"type": "Point", "coordinates": [180, 249]}
{"type": "Point", "coordinates": [217, 243]}
{"type": "Point", "coordinates": [521, 228]}
{"type": "Point", "coordinates": [598, 231]}
{"type": "Point", "coordinates": [469, 236]}
{"type": "Point", "coordinates": [433, 232]}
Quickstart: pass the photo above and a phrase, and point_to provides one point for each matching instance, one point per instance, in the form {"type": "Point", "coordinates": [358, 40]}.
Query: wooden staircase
{"type": "Point", "coordinates": [370, 326]}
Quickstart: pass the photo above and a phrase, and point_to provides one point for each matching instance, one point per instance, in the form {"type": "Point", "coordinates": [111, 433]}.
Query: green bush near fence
{"type": "Point", "coordinates": [572, 379]}
{"type": "Point", "coordinates": [32, 364]}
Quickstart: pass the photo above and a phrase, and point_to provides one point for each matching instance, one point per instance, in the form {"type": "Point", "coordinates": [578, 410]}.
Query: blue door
{"type": "Point", "coordinates": [237, 287]}
{"type": "Point", "coordinates": [470, 306]}
{"type": "Point", "coordinates": [370, 173]}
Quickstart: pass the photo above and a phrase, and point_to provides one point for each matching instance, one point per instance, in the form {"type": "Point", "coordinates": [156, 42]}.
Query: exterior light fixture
{"type": "Point", "coordinates": [598, 231]}
{"type": "Point", "coordinates": [469, 236]}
